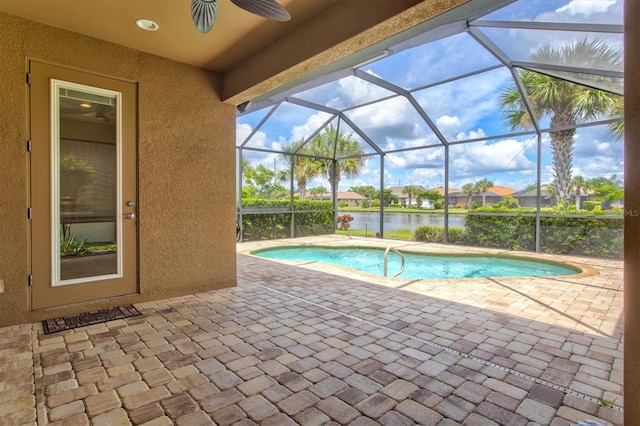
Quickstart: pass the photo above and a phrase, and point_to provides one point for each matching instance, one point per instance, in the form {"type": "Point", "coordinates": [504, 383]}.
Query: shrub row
{"type": "Point", "coordinates": [312, 217]}
{"type": "Point", "coordinates": [581, 236]}
{"type": "Point", "coordinates": [435, 234]}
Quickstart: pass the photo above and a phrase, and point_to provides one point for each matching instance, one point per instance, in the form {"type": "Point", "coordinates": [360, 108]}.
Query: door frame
{"type": "Point", "coordinates": [44, 294]}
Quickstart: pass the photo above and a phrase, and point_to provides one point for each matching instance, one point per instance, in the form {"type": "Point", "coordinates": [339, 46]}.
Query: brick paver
{"type": "Point", "coordinates": [277, 350]}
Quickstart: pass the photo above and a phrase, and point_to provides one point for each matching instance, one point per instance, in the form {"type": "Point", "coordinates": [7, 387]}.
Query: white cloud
{"type": "Point", "coordinates": [472, 101]}
{"type": "Point", "coordinates": [586, 7]}
{"type": "Point", "coordinates": [423, 158]}
{"type": "Point", "coordinates": [351, 91]}
{"type": "Point", "coordinates": [428, 178]}
{"type": "Point", "coordinates": [259, 141]}
{"type": "Point", "coordinates": [393, 124]}
{"type": "Point", "coordinates": [312, 124]}
{"type": "Point", "coordinates": [448, 125]}
{"type": "Point", "coordinates": [243, 130]}
{"type": "Point", "coordinates": [473, 134]}
{"type": "Point", "coordinates": [490, 160]}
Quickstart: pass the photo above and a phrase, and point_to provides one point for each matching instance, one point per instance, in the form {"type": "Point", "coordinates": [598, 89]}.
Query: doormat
{"type": "Point", "coordinates": [89, 318]}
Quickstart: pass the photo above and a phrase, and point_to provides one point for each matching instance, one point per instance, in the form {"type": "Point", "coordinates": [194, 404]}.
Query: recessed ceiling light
{"type": "Point", "coordinates": [147, 24]}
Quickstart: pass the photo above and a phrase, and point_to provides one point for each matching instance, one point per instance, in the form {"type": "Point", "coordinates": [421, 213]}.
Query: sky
{"type": "Point", "coordinates": [463, 109]}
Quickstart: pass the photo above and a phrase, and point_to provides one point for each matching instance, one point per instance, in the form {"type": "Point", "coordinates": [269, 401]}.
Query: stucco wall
{"type": "Point", "coordinates": [186, 151]}
{"type": "Point", "coordinates": [632, 214]}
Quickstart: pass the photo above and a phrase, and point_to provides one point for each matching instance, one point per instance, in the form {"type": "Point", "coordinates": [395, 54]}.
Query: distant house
{"type": "Point", "coordinates": [491, 196]}
{"type": "Point", "coordinates": [453, 197]}
{"type": "Point", "coordinates": [351, 198]}
{"type": "Point", "coordinates": [403, 198]}
{"type": "Point", "coordinates": [529, 198]}
{"type": "Point", "coordinates": [617, 204]}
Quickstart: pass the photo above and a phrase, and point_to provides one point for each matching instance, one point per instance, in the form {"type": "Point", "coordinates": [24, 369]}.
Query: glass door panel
{"type": "Point", "coordinates": [86, 184]}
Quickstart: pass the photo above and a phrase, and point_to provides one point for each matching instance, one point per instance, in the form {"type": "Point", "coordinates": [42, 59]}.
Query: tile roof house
{"type": "Point", "coordinates": [491, 196]}
{"type": "Point", "coordinates": [352, 199]}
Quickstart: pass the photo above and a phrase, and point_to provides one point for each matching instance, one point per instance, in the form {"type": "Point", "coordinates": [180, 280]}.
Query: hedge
{"type": "Point", "coordinates": [312, 217]}
{"type": "Point", "coordinates": [582, 236]}
{"type": "Point", "coordinates": [435, 234]}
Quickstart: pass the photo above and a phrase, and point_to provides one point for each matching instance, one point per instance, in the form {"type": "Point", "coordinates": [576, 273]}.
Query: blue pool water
{"type": "Point", "coordinates": [420, 266]}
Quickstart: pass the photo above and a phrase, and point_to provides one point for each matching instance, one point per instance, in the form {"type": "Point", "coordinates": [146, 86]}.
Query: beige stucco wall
{"type": "Point", "coordinates": [186, 152]}
{"type": "Point", "coordinates": [632, 215]}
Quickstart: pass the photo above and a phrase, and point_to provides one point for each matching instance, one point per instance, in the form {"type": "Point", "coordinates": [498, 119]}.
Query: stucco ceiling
{"type": "Point", "coordinates": [254, 55]}
{"type": "Point", "coordinates": [236, 35]}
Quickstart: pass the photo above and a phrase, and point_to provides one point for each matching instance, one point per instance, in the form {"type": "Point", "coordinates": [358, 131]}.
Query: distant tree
{"type": "Point", "coordinates": [566, 103]}
{"type": "Point", "coordinates": [531, 187]}
{"type": "Point", "coordinates": [468, 189]}
{"type": "Point", "coordinates": [248, 189]}
{"type": "Point", "coordinates": [247, 169]}
{"type": "Point", "coordinates": [482, 186]}
{"type": "Point", "coordinates": [263, 180]}
{"type": "Point", "coordinates": [607, 190]}
{"type": "Point", "coordinates": [388, 197]}
{"type": "Point", "coordinates": [552, 192]}
{"type": "Point", "coordinates": [366, 191]}
{"type": "Point", "coordinates": [509, 202]}
{"type": "Point", "coordinates": [428, 194]}
{"type": "Point", "coordinates": [580, 185]}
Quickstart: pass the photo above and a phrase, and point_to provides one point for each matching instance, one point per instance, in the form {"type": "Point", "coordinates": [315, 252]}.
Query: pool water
{"type": "Point", "coordinates": [420, 266]}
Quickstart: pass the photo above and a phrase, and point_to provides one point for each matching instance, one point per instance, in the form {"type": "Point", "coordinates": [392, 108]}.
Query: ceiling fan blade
{"type": "Point", "coordinates": [204, 13]}
{"type": "Point", "coordinates": [266, 8]}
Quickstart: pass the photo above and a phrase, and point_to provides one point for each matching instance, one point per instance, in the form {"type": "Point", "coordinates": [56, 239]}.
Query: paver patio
{"type": "Point", "coordinates": [314, 344]}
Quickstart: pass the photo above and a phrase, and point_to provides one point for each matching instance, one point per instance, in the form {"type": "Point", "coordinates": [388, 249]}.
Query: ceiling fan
{"type": "Point", "coordinates": [204, 12]}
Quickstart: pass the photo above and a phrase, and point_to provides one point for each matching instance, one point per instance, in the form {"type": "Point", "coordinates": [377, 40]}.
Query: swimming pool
{"type": "Point", "coordinates": [421, 266]}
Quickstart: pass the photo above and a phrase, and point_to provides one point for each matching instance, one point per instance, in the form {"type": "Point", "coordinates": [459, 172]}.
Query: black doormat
{"type": "Point", "coordinates": [88, 318]}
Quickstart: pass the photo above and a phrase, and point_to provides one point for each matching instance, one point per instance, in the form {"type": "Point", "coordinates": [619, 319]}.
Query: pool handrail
{"type": "Point", "coordinates": [386, 258]}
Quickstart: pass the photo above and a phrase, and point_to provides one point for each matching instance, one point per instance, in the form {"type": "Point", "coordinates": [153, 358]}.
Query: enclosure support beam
{"type": "Point", "coordinates": [239, 190]}
{"type": "Point", "coordinates": [293, 213]}
{"type": "Point", "coordinates": [446, 194]}
{"type": "Point", "coordinates": [334, 193]}
{"type": "Point", "coordinates": [382, 196]}
{"type": "Point", "coordinates": [538, 191]}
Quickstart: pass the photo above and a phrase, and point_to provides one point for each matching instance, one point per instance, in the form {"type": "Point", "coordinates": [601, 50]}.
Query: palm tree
{"type": "Point", "coordinates": [581, 186]}
{"type": "Point", "coordinates": [304, 168]}
{"type": "Point", "coordinates": [482, 186]}
{"type": "Point", "coordinates": [566, 103]}
{"type": "Point", "coordinates": [318, 191]}
{"type": "Point", "coordinates": [332, 147]}
{"type": "Point", "coordinates": [410, 190]}
{"type": "Point", "coordinates": [552, 192]}
{"type": "Point", "coordinates": [617, 110]}
{"type": "Point", "coordinates": [468, 189]}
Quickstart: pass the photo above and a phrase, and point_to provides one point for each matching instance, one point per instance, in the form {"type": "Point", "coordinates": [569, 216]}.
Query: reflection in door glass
{"type": "Point", "coordinates": [86, 189]}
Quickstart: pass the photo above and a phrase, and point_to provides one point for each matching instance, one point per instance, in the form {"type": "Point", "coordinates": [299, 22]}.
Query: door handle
{"type": "Point", "coordinates": [130, 216]}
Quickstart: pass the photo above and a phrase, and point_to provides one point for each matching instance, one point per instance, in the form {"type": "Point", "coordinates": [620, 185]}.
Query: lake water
{"type": "Point", "coordinates": [396, 221]}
